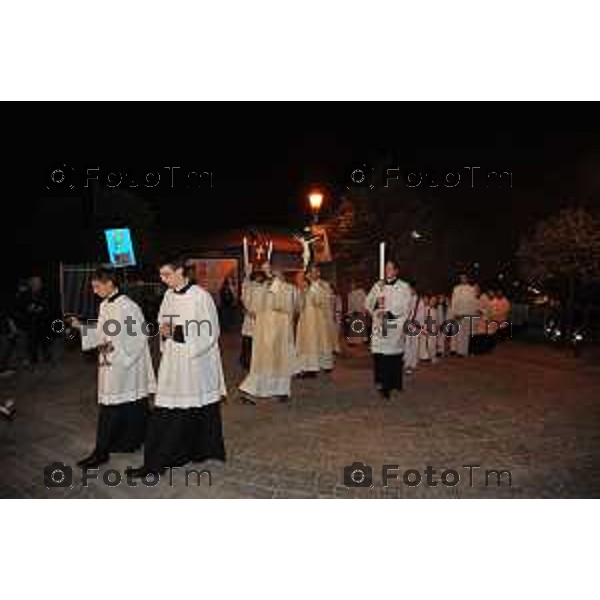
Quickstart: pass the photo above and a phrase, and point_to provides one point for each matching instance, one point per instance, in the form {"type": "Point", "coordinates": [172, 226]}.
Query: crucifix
{"type": "Point", "coordinates": [259, 252]}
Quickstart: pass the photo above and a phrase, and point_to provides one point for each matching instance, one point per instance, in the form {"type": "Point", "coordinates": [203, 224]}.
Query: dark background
{"type": "Point", "coordinates": [262, 171]}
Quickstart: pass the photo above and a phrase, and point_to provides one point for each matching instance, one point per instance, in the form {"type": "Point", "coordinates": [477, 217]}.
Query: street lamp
{"type": "Point", "coordinates": [316, 200]}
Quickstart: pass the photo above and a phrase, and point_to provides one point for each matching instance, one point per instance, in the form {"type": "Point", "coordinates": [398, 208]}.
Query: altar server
{"type": "Point", "coordinates": [125, 372]}
{"type": "Point", "coordinates": [185, 425]}
{"type": "Point", "coordinates": [273, 355]}
{"type": "Point", "coordinates": [389, 304]}
{"type": "Point", "coordinates": [314, 336]}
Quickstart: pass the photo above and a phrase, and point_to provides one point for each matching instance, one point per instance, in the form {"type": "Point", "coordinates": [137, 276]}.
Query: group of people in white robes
{"type": "Point", "coordinates": [293, 331]}
{"type": "Point", "coordinates": [184, 424]}
{"type": "Point", "coordinates": [433, 326]}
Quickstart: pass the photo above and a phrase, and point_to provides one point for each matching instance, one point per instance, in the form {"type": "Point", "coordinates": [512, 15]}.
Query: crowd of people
{"type": "Point", "coordinates": [289, 331]}
{"type": "Point", "coordinates": [25, 326]}
{"type": "Point", "coordinates": [297, 330]}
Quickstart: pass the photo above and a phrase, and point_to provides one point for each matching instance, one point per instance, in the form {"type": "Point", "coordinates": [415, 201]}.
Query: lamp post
{"type": "Point", "coordinates": [316, 200]}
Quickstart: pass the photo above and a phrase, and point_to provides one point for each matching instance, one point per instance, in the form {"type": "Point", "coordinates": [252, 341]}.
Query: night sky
{"type": "Point", "coordinates": [261, 173]}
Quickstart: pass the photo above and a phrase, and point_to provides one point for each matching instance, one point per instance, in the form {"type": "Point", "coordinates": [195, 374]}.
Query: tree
{"type": "Point", "coordinates": [366, 217]}
{"type": "Point", "coordinates": [563, 250]}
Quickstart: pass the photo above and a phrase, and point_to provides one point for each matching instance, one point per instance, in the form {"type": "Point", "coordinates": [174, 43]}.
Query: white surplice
{"type": "Point", "coordinates": [126, 374]}
{"type": "Point", "coordinates": [191, 373]}
{"type": "Point", "coordinates": [389, 338]}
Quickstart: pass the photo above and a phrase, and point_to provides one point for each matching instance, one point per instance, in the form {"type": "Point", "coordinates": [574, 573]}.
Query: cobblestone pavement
{"type": "Point", "coordinates": [527, 408]}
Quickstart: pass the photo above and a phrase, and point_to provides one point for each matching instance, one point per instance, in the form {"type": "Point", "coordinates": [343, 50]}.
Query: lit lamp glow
{"type": "Point", "coordinates": [316, 201]}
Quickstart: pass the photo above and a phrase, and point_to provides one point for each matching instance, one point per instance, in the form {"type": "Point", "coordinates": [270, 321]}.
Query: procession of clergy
{"type": "Point", "coordinates": [288, 331]}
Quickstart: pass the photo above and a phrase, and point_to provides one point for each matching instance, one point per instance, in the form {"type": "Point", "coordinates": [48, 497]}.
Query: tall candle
{"type": "Point", "coordinates": [246, 258]}
{"type": "Point", "coordinates": [382, 260]}
{"type": "Point", "coordinates": [269, 251]}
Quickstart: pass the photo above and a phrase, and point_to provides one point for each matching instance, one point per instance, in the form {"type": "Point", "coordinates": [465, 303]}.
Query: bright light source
{"type": "Point", "coordinates": [316, 200]}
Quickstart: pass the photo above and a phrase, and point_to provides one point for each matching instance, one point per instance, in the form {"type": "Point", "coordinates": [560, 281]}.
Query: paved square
{"type": "Point", "coordinates": [526, 408]}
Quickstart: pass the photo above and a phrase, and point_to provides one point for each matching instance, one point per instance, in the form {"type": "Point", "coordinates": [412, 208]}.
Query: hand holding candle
{"type": "Point", "coordinates": [382, 261]}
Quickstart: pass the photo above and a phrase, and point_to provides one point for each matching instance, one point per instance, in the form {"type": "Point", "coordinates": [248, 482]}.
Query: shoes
{"type": "Point", "coordinates": [244, 399]}
{"type": "Point", "coordinates": [385, 393]}
{"type": "Point", "coordinates": [93, 461]}
{"type": "Point", "coordinates": [7, 410]}
{"type": "Point", "coordinates": [283, 398]}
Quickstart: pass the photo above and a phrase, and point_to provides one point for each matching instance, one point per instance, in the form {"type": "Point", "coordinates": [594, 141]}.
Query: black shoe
{"type": "Point", "coordinates": [283, 398]}
{"type": "Point", "coordinates": [310, 374]}
{"type": "Point", "coordinates": [385, 393]}
{"type": "Point", "coordinates": [141, 472]}
{"type": "Point", "coordinates": [244, 399]}
{"type": "Point", "coordinates": [93, 461]}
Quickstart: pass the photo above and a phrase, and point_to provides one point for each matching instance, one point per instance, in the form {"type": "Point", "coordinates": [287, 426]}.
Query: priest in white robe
{"type": "Point", "coordinates": [273, 354]}
{"type": "Point", "coordinates": [389, 304]}
{"type": "Point", "coordinates": [125, 372]}
{"type": "Point", "coordinates": [185, 425]}
{"type": "Point", "coordinates": [464, 305]}
{"type": "Point", "coordinates": [315, 343]}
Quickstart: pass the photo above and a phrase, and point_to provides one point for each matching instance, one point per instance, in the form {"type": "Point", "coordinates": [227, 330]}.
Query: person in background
{"type": "Point", "coordinates": [478, 343]}
{"type": "Point", "coordinates": [417, 320]}
{"type": "Point", "coordinates": [463, 306]}
{"type": "Point", "coordinates": [501, 309]}
{"type": "Point", "coordinates": [228, 304]}
{"type": "Point", "coordinates": [36, 306]}
{"type": "Point", "coordinates": [442, 315]}
{"type": "Point", "coordinates": [356, 327]}
{"type": "Point", "coordinates": [429, 332]}
{"type": "Point", "coordinates": [336, 323]}
{"type": "Point", "coordinates": [252, 292]}
{"type": "Point", "coordinates": [8, 341]}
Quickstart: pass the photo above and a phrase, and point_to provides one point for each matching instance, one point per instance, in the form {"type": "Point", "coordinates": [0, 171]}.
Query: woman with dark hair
{"type": "Point", "coordinates": [185, 425]}
{"type": "Point", "coordinates": [125, 372]}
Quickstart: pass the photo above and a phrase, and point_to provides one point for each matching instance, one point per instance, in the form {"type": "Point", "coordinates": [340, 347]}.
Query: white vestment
{"type": "Point", "coordinates": [464, 303]}
{"type": "Point", "coordinates": [126, 374]}
{"type": "Point", "coordinates": [273, 355]}
{"type": "Point", "coordinates": [191, 373]}
{"type": "Point", "coordinates": [315, 342]}
{"type": "Point", "coordinates": [251, 292]}
{"type": "Point", "coordinates": [387, 333]}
